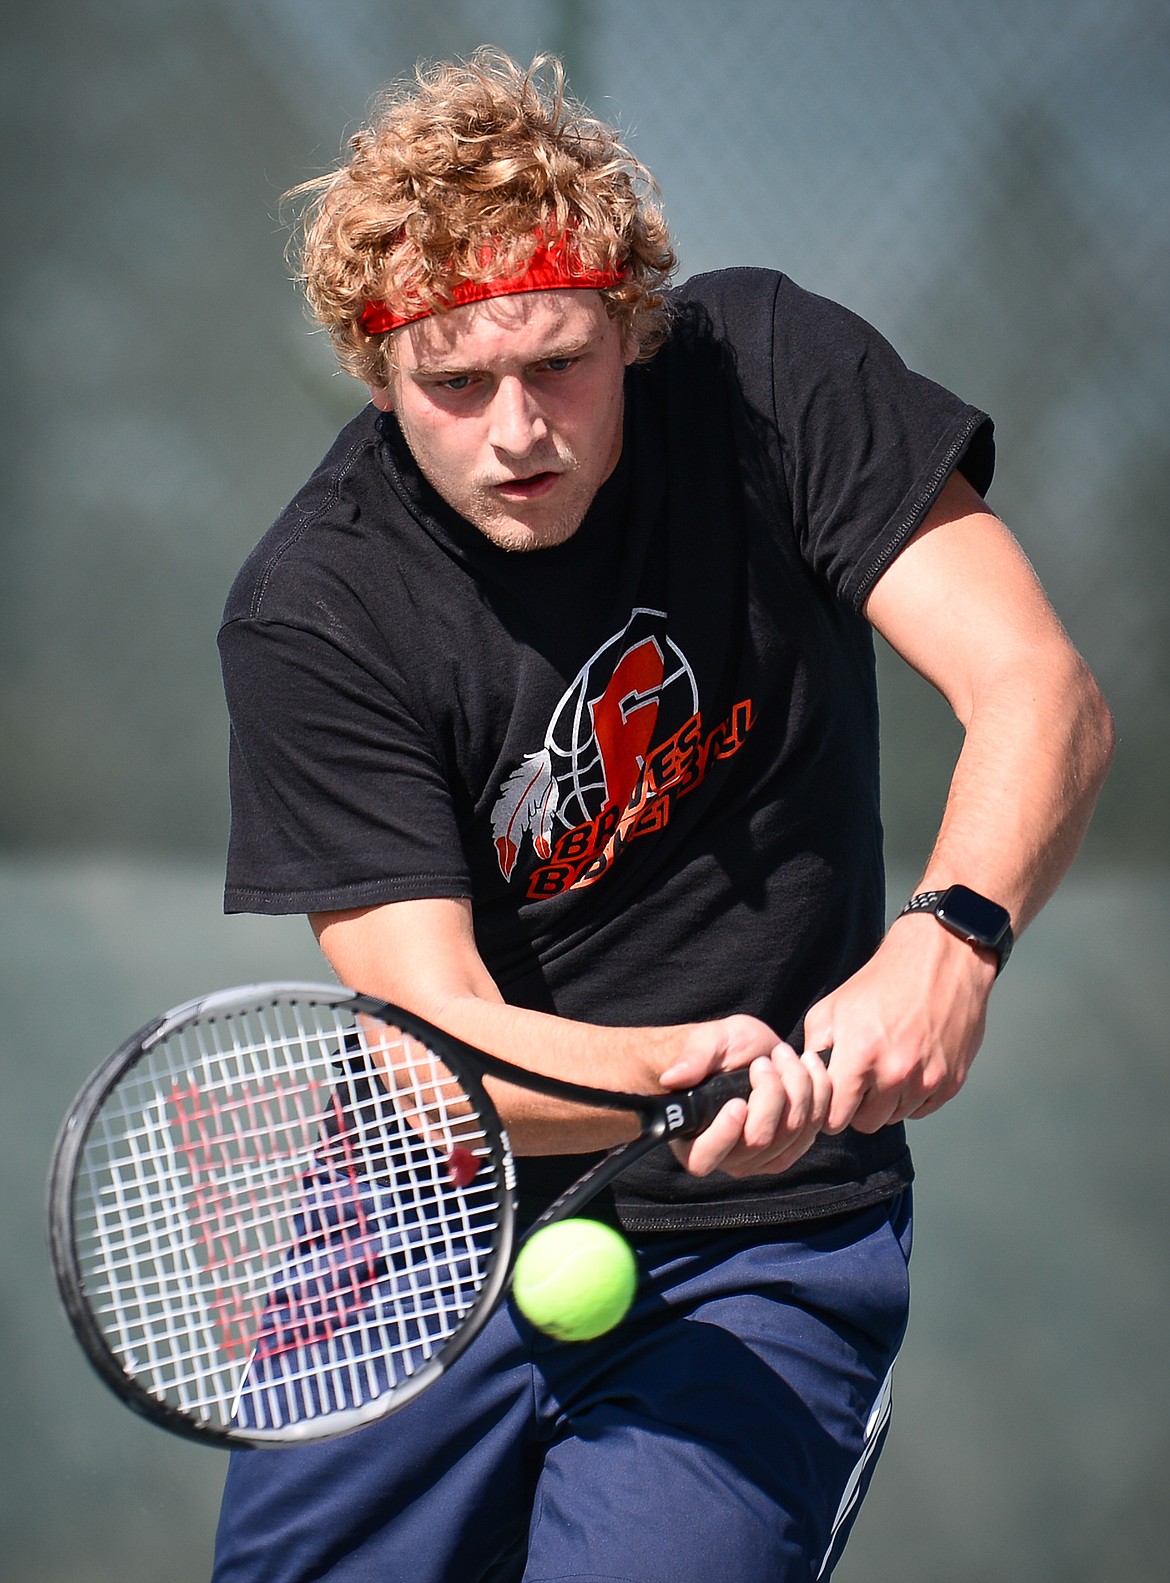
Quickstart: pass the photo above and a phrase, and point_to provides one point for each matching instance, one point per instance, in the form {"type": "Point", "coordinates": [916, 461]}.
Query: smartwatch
{"type": "Point", "coordinates": [971, 916]}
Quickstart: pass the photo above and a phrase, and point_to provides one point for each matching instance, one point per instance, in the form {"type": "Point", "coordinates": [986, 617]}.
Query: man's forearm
{"type": "Point", "coordinates": [905, 1028]}
{"type": "Point", "coordinates": [1038, 745]}
{"type": "Point", "coordinates": [624, 1059]}
{"type": "Point", "coordinates": [963, 607]}
{"type": "Point", "coordinates": [422, 955]}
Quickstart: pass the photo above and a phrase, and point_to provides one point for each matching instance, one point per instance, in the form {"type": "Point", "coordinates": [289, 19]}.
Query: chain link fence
{"type": "Point", "coordinates": [990, 188]}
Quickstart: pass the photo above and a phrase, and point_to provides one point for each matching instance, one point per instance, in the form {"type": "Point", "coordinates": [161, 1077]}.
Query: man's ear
{"type": "Point", "coordinates": [381, 398]}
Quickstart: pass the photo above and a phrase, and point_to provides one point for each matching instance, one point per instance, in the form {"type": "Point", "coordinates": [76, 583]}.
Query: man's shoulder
{"type": "Point", "coordinates": [744, 282]}
{"type": "Point", "coordinates": [746, 319]}
{"type": "Point", "coordinates": [321, 524]}
{"type": "Point", "coordinates": [726, 301]}
{"type": "Point", "coordinates": [752, 302]}
{"type": "Point", "coordinates": [723, 330]}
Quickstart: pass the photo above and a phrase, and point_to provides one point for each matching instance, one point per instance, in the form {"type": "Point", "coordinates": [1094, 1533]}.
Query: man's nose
{"type": "Point", "coordinates": [516, 424]}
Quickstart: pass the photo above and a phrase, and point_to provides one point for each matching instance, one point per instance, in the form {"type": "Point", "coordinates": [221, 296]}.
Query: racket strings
{"type": "Point", "coordinates": [281, 1215]}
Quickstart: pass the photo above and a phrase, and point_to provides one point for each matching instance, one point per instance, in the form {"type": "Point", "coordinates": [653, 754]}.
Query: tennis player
{"type": "Point", "coordinates": [553, 705]}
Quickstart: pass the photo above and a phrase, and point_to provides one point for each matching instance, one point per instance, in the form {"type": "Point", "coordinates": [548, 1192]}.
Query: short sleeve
{"type": "Point", "coordinates": [338, 796]}
{"type": "Point", "coordinates": [867, 443]}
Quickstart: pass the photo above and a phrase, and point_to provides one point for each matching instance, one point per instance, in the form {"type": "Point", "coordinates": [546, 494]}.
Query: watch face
{"type": "Point", "coordinates": [973, 916]}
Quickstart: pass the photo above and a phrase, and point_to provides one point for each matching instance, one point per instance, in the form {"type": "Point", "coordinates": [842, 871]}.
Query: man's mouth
{"type": "Point", "coordinates": [530, 488]}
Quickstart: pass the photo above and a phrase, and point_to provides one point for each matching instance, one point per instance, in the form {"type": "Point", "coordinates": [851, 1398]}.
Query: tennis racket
{"type": "Point", "coordinates": [278, 1213]}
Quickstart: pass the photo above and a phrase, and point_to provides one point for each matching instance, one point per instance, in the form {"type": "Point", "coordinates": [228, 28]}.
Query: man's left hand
{"type": "Point", "coordinates": [905, 1028]}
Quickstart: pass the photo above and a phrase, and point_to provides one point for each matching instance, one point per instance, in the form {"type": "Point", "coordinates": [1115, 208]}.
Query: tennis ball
{"type": "Point", "coordinates": [575, 1279]}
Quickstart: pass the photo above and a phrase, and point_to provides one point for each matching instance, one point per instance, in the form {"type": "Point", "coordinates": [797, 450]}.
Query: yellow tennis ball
{"type": "Point", "coordinates": [575, 1279]}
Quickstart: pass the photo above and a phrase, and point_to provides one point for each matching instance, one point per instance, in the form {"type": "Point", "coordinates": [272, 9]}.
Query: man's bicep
{"type": "Point", "coordinates": [419, 954]}
{"type": "Point", "coordinates": [961, 602]}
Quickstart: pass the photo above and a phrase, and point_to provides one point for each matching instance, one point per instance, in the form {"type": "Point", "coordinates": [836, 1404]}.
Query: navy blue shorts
{"type": "Point", "coordinates": [727, 1429]}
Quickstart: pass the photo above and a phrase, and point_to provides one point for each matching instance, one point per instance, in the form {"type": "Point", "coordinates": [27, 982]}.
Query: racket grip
{"type": "Point", "coordinates": [706, 1101]}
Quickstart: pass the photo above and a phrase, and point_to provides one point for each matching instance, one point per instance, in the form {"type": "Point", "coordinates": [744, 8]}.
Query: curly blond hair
{"type": "Point", "coordinates": [460, 174]}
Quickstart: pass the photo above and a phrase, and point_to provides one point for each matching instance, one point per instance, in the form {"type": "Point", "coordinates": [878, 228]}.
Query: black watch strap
{"type": "Point", "coordinates": [970, 916]}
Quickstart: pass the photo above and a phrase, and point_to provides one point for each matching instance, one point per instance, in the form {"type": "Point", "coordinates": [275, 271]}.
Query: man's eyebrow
{"type": "Point", "coordinates": [458, 371]}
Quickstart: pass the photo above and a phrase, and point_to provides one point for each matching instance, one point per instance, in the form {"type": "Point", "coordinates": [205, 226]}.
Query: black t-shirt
{"type": "Point", "coordinates": [649, 755]}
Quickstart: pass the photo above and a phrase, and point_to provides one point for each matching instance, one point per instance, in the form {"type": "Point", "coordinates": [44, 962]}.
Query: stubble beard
{"type": "Point", "coordinates": [508, 533]}
{"type": "Point", "coordinates": [513, 529]}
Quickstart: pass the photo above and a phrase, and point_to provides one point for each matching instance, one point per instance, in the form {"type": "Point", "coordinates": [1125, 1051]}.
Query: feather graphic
{"type": "Point", "coordinates": [527, 801]}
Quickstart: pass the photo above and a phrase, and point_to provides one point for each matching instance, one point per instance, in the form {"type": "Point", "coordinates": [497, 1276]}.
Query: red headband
{"type": "Point", "coordinates": [552, 268]}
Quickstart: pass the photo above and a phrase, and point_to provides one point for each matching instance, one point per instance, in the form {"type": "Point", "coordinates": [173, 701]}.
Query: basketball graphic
{"type": "Point", "coordinates": [624, 742]}
{"type": "Point", "coordinates": [632, 693]}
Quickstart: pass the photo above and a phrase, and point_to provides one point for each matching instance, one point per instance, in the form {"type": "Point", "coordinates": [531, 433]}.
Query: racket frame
{"type": "Point", "coordinates": [660, 1117]}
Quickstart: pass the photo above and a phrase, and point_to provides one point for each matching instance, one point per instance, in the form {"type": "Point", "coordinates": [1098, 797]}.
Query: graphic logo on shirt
{"type": "Point", "coordinates": [625, 742]}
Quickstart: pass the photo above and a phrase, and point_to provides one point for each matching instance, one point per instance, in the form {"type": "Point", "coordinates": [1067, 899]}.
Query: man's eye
{"type": "Point", "coordinates": [457, 382]}
{"type": "Point", "coordinates": [558, 365]}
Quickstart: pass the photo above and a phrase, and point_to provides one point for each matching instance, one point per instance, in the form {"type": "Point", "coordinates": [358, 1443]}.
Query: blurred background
{"type": "Point", "coordinates": [990, 186]}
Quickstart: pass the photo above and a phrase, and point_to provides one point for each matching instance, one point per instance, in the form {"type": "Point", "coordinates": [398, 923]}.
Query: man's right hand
{"type": "Point", "coordinates": [776, 1124]}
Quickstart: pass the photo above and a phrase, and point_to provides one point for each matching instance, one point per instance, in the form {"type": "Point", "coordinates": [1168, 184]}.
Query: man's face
{"type": "Point", "coordinates": [512, 409]}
